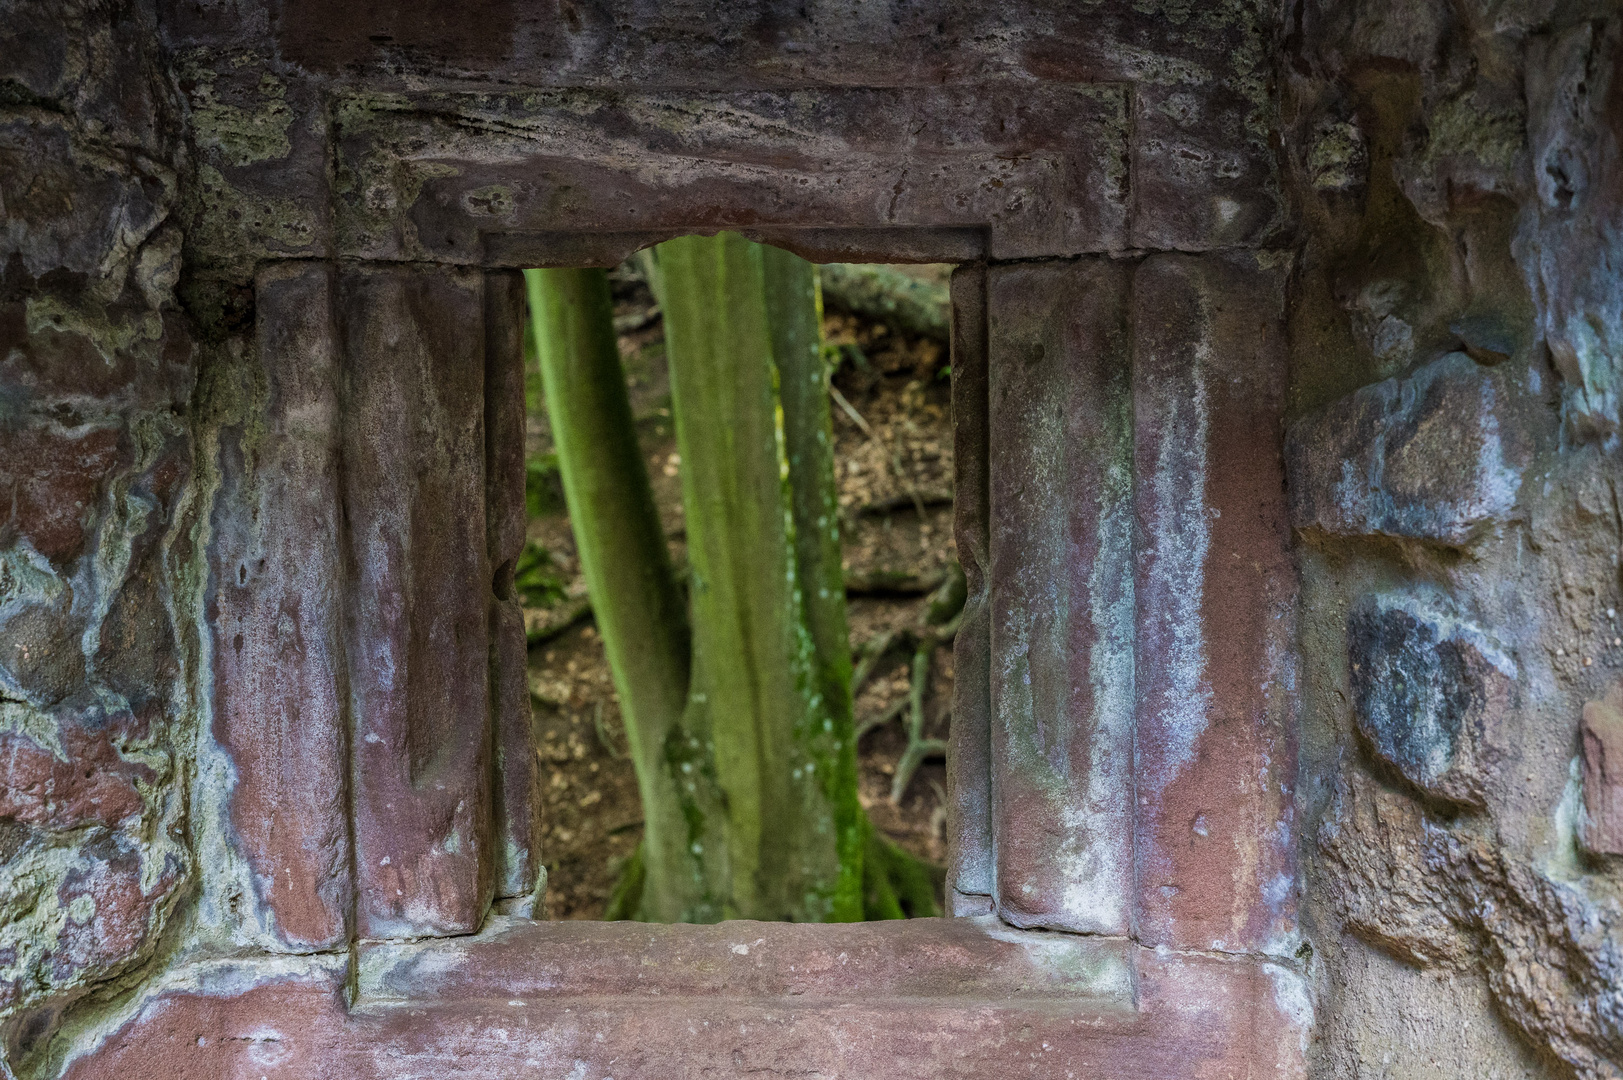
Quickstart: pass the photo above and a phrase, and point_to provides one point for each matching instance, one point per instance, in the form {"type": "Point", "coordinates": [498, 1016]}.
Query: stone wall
{"type": "Point", "coordinates": [1432, 191]}
{"type": "Point", "coordinates": [1454, 479]}
{"type": "Point", "coordinates": [98, 370]}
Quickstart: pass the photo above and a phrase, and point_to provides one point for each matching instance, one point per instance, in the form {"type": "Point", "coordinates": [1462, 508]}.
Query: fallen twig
{"type": "Point", "coordinates": [633, 321]}
{"type": "Point", "coordinates": [543, 624]}
{"type": "Point", "coordinates": [898, 502]}
{"type": "Point", "coordinates": [892, 583]}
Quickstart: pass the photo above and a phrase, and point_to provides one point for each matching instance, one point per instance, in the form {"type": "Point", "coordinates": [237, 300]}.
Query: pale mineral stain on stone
{"type": "Point", "coordinates": [1422, 457]}
{"type": "Point", "coordinates": [1181, 544]}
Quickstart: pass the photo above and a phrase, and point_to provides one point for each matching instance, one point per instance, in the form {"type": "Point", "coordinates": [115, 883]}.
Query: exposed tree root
{"type": "Point", "coordinates": [939, 627]}
{"type": "Point", "coordinates": [889, 296]}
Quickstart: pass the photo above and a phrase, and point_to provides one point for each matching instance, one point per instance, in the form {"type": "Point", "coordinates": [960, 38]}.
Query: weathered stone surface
{"type": "Point", "coordinates": [1432, 694]}
{"type": "Point", "coordinates": [1215, 593]}
{"type": "Point", "coordinates": [427, 176]}
{"type": "Point", "coordinates": [276, 614]}
{"type": "Point", "coordinates": [80, 780]}
{"type": "Point", "coordinates": [90, 858]}
{"type": "Point", "coordinates": [95, 469]}
{"type": "Point", "coordinates": [75, 911]}
{"type": "Point", "coordinates": [1452, 173]}
{"type": "Point", "coordinates": [41, 659]}
{"type": "Point", "coordinates": [732, 45]}
{"type": "Point", "coordinates": [812, 92]}
{"type": "Point", "coordinates": [973, 960]}
{"type": "Point", "coordinates": [418, 634]}
{"type": "Point", "coordinates": [259, 185]}
{"type": "Point", "coordinates": [1574, 229]}
{"type": "Point", "coordinates": [1061, 577]}
{"type": "Point", "coordinates": [1201, 179]}
{"type": "Point", "coordinates": [969, 761]}
{"type": "Point", "coordinates": [1601, 744]}
{"type": "Point", "coordinates": [948, 998]}
{"type": "Point", "coordinates": [98, 64]}
{"type": "Point", "coordinates": [1434, 893]}
{"type": "Point", "coordinates": [54, 479]}
{"type": "Point", "coordinates": [958, 244]}
{"type": "Point", "coordinates": [1376, 845]}
{"type": "Point", "coordinates": [1456, 173]}
{"type": "Point", "coordinates": [52, 353]}
{"type": "Point", "coordinates": [109, 907]}
{"type": "Point", "coordinates": [72, 205]}
{"type": "Point", "coordinates": [518, 803]}
{"type": "Point", "coordinates": [517, 811]}
{"type": "Point", "coordinates": [1430, 457]}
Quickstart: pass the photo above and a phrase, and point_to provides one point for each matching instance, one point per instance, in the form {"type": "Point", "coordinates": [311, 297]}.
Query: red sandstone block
{"type": "Point", "coordinates": [1438, 455]}
{"type": "Point", "coordinates": [55, 362]}
{"type": "Point", "coordinates": [1060, 475]}
{"type": "Point", "coordinates": [276, 616]}
{"type": "Point", "coordinates": [1602, 738]}
{"type": "Point", "coordinates": [1215, 590]}
{"type": "Point", "coordinates": [1041, 168]}
{"type": "Point", "coordinates": [246, 1024]}
{"type": "Point", "coordinates": [921, 999]}
{"type": "Point", "coordinates": [83, 781]}
{"type": "Point", "coordinates": [969, 777]}
{"type": "Point", "coordinates": [518, 804]}
{"type": "Point", "coordinates": [419, 605]}
{"type": "Point", "coordinates": [113, 898]}
{"type": "Point", "coordinates": [1203, 174]}
{"type": "Point", "coordinates": [518, 833]}
{"type": "Point", "coordinates": [939, 959]}
{"type": "Point", "coordinates": [505, 312]}
{"type": "Point", "coordinates": [54, 479]}
{"type": "Point", "coordinates": [732, 44]}
{"type": "Point", "coordinates": [264, 195]}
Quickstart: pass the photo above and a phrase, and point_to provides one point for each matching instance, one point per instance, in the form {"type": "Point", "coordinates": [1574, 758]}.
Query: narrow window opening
{"type": "Point", "coordinates": [883, 334]}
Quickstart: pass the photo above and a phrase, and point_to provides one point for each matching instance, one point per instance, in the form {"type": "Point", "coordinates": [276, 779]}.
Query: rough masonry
{"type": "Point", "coordinates": [1287, 353]}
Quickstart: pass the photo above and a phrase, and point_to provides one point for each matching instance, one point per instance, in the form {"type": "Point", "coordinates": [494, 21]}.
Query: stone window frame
{"type": "Point", "coordinates": [1122, 862]}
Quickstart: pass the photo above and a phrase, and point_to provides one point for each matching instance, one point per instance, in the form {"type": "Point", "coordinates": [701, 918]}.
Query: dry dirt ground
{"type": "Point", "coordinates": [893, 558]}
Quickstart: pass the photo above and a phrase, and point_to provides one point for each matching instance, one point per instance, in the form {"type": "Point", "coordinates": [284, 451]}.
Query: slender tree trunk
{"type": "Point", "coordinates": [794, 313]}
{"type": "Point", "coordinates": [639, 610]}
{"type": "Point", "coordinates": [755, 665]}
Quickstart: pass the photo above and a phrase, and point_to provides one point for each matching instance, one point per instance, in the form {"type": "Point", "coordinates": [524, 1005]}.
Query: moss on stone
{"type": "Point", "coordinates": [237, 223]}
{"type": "Point", "coordinates": [1461, 126]}
{"type": "Point", "coordinates": [243, 135]}
{"type": "Point", "coordinates": [110, 333]}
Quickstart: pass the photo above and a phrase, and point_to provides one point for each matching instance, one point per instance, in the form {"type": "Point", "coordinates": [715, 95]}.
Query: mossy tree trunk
{"type": "Point", "coordinates": [739, 708]}
{"type": "Point", "coordinates": [795, 314]}
{"type": "Point", "coordinates": [639, 609]}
